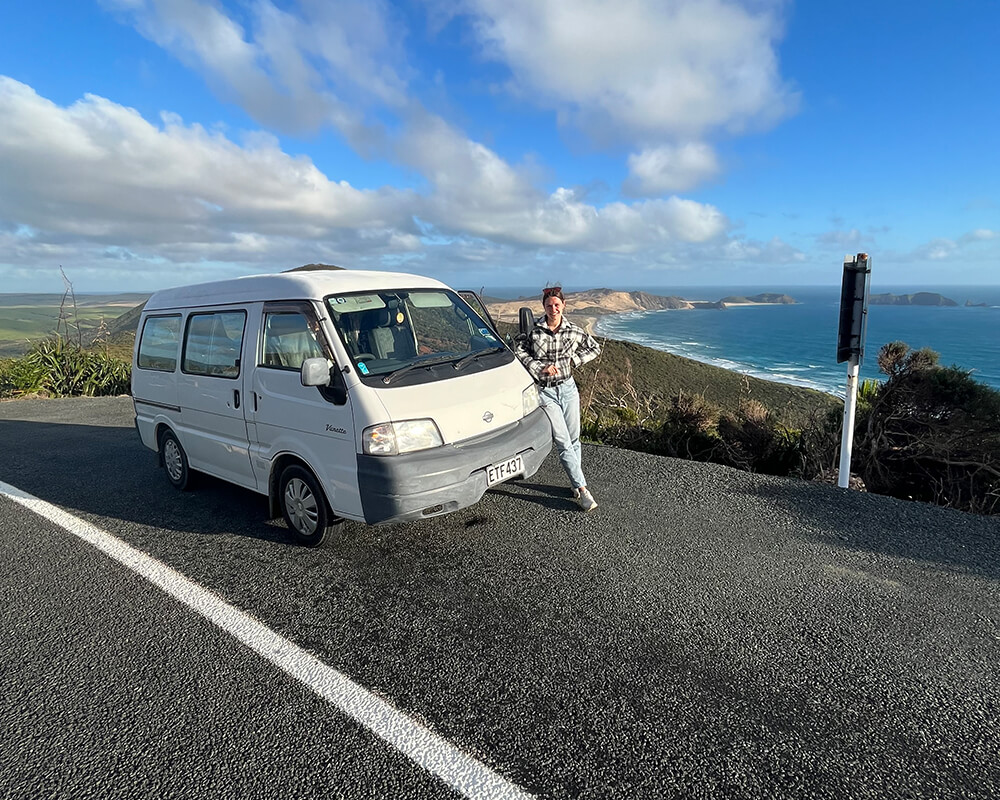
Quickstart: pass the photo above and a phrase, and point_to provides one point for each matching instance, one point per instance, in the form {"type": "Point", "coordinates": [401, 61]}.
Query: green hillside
{"type": "Point", "coordinates": [664, 375]}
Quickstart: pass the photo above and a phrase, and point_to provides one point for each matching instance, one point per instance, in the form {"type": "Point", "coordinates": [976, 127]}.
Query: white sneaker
{"type": "Point", "coordinates": [585, 499]}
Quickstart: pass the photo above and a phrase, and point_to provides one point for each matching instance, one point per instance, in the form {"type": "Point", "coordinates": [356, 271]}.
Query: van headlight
{"type": "Point", "coordinates": [529, 399]}
{"type": "Point", "coordinates": [391, 438]}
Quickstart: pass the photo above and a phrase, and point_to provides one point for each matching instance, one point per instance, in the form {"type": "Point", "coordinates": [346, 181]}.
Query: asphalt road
{"type": "Point", "coordinates": [705, 633]}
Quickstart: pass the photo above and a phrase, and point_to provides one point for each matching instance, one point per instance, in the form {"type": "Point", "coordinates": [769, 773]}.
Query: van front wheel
{"type": "Point", "coordinates": [174, 461]}
{"type": "Point", "coordinates": [304, 506]}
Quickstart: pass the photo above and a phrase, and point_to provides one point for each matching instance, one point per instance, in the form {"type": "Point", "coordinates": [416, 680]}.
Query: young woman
{"type": "Point", "coordinates": [551, 350]}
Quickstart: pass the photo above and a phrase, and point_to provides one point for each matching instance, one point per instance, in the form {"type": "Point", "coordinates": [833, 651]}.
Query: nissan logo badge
{"type": "Point", "coordinates": [488, 416]}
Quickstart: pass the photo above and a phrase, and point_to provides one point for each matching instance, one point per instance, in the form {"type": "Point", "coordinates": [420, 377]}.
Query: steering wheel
{"type": "Point", "coordinates": [365, 356]}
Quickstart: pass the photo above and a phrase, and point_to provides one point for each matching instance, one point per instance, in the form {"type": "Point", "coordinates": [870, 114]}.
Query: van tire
{"type": "Point", "coordinates": [303, 505]}
{"type": "Point", "coordinates": [174, 461]}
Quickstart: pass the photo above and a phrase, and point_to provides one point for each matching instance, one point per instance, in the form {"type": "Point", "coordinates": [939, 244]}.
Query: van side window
{"type": "Point", "coordinates": [288, 341]}
{"type": "Point", "coordinates": [158, 343]}
{"type": "Point", "coordinates": [213, 343]}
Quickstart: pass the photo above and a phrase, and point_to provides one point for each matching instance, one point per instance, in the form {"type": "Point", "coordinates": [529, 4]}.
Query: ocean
{"type": "Point", "coordinates": [797, 344]}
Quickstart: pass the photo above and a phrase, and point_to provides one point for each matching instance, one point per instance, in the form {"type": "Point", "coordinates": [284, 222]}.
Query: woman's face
{"type": "Point", "coordinates": [553, 306]}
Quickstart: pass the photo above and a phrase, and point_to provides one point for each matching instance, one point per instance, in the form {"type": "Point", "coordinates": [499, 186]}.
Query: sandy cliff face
{"type": "Point", "coordinates": [592, 303]}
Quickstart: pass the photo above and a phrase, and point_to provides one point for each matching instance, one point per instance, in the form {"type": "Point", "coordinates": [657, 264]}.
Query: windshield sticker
{"type": "Point", "coordinates": [485, 333]}
{"type": "Point", "coordinates": [355, 302]}
{"type": "Point", "coordinates": [362, 368]}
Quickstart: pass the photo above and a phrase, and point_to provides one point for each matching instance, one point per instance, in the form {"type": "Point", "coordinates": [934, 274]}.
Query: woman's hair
{"type": "Point", "coordinates": [549, 291]}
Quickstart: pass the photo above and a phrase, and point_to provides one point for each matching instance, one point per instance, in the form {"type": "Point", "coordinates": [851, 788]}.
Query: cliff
{"type": "Point", "coordinates": [592, 303]}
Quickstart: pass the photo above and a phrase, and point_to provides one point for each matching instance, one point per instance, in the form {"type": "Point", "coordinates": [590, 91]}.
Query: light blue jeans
{"type": "Point", "coordinates": [562, 406]}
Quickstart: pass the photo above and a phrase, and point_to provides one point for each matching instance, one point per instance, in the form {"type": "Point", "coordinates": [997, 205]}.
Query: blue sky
{"type": "Point", "coordinates": [635, 143]}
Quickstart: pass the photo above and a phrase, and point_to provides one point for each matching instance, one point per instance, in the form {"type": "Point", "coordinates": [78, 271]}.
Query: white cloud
{"type": "Point", "coordinates": [666, 169]}
{"type": "Point", "coordinates": [844, 240]}
{"type": "Point", "coordinates": [100, 164]}
{"type": "Point", "coordinates": [291, 72]}
{"type": "Point", "coordinates": [646, 70]}
{"type": "Point", "coordinates": [942, 248]}
{"type": "Point", "coordinates": [98, 175]}
{"type": "Point", "coordinates": [654, 73]}
{"type": "Point", "coordinates": [97, 182]}
{"type": "Point", "coordinates": [98, 172]}
{"type": "Point", "coordinates": [979, 247]}
{"type": "Point", "coordinates": [979, 235]}
{"type": "Point", "coordinates": [771, 252]}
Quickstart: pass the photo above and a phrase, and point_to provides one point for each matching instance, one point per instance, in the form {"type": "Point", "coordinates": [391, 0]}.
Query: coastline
{"type": "Point", "coordinates": [597, 305]}
{"type": "Point", "coordinates": [587, 308]}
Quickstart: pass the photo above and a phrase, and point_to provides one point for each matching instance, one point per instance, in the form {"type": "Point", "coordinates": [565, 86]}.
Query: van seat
{"type": "Point", "coordinates": [383, 337]}
{"type": "Point", "coordinates": [288, 342]}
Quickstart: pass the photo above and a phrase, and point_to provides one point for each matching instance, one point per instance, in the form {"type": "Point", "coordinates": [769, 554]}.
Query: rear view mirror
{"type": "Point", "coordinates": [315, 372]}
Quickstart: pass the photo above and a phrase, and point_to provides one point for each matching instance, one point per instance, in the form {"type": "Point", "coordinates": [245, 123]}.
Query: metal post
{"type": "Point", "coordinates": [847, 437]}
{"type": "Point", "coordinates": [851, 347]}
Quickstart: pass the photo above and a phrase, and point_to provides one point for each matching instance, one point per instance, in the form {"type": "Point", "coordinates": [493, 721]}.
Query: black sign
{"type": "Point", "coordinates": [854, 308]}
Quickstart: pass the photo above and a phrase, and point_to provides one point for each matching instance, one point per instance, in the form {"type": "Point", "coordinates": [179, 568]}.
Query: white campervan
{"type": "Point", "coordinates": [372, 396]}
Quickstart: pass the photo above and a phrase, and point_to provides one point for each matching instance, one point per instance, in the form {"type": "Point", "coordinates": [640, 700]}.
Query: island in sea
{"type": "Point", "coordinates": [584, 308]}
{"type": "Point", "coordinates": [915, 299]}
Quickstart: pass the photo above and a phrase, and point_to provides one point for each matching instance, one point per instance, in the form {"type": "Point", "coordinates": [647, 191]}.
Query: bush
{"type": "Point", "coordinates": [59, 368]}
{"type": "Point", "coordinates": [755, 442]}
{"type": "Point", "coordinates": [928, 433]}
{"type": "Point", "coordinates": [690, 429]}
{"type": "Point", "coordinates": [931, 433]}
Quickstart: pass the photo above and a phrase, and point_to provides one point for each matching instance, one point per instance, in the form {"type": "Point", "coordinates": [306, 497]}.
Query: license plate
{"type": "Point", "coordinates": [497, 473]}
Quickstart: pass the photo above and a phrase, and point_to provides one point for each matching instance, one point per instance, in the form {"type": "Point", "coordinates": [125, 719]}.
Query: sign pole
{"type": "Point", "coordinates": [851, 347]}
{"type": "Point", "coordinates": [847, 438]}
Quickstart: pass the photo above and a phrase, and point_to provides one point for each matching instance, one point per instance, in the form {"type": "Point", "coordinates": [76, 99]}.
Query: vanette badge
{"type": "Point", "coordinates": [488, 416]}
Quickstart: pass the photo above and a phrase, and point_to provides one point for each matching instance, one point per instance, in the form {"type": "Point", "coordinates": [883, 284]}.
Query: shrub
{"type": "Point", "coordinates": [60, 368]}
{"type": "Point", "coordinates": [932, 433]}
{"type": "Point", "coordinates": [755, 442]}
{"type": "Point", "coordinates": [690, 428]}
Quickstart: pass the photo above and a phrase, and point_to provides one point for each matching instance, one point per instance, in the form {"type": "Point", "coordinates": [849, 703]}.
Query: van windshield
{"type": "Point", "coordinates": [387, 331]}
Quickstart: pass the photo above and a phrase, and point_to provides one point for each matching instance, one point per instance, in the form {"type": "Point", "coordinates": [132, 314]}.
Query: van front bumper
{"type": "Point", "coordinates": [432, 482]}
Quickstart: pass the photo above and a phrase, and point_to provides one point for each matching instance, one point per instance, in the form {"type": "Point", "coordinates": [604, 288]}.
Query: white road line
{"type": "Point", "coordinates": [459, 770]}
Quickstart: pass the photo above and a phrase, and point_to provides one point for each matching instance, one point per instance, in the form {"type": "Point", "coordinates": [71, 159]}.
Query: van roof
{"type": "Point", "coordinates": [304, 285]}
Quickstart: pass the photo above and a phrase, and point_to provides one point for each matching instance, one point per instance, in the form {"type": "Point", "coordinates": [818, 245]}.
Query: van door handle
{"type": "Point", "coordinates": [236, 398]}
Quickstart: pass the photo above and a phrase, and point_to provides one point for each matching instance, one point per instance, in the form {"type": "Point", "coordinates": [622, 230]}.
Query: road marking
{"type": "Point", "coordinates": [462, 772]}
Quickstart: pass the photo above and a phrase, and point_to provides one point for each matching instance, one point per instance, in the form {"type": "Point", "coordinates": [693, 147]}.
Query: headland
{"type": "Point", "coordinates": [585, 308]}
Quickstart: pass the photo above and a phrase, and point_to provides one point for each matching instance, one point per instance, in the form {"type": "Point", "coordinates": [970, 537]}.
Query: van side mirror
{"type": "Point", "coordinates": [525, 322]}
{"type": "Point", "coordinates": [315, 372]}
{"type": "Point", "coordinates": [327, 378]}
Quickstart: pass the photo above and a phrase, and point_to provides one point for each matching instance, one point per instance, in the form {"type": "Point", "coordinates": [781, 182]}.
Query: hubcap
{"type": "Point", "coordinates": [301, 505]}
{"type": "Point", "coordinates": [172, 460]}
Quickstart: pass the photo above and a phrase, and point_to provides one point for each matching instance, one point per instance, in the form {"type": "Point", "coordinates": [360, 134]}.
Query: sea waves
{"type": "Point", "coordinates": [796, 344]}
{"type": "Point", "coordinates": [807, 375]}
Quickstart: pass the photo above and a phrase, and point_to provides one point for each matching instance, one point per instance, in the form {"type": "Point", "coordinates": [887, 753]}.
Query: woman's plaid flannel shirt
{"type": "Point", "coordinates": [567, 346]}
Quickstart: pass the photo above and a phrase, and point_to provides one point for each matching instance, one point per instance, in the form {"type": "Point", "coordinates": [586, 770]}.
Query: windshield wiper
{"type": "Point", "coordinates": [477, 355]}
{"type": "Point", "coordinates": [427, 362]}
